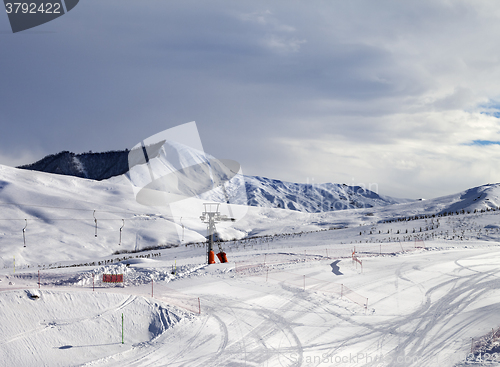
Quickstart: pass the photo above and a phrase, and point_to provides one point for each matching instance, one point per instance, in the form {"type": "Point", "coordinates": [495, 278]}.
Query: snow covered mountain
{"type": "Point", "coordinates": [309, 198]}
{"type": "Point", "coordinates": [61, 211]}
{"type": "Point", "coordinates": [190, 173]}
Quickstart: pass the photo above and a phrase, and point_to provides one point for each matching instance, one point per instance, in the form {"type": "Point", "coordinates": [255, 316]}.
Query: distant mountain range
{"type": "Point", "coordinates": [64, 213]}
{"type": "Point", "coordinates": [258, 191]}
{"type": "Point", "coordinates": [310, 198]}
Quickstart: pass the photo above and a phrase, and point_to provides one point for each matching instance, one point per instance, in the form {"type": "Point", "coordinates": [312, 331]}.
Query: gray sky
{"type": "Point", "coordinates": [401, 96]}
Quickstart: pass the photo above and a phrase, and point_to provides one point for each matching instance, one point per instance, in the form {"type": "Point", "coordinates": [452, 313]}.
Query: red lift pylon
{"type": "Point", "coordinates": [210, 216]}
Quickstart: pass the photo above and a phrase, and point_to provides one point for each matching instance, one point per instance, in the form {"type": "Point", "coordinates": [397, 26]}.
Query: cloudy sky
{"type": "Point", "coordinates": [402, 96]}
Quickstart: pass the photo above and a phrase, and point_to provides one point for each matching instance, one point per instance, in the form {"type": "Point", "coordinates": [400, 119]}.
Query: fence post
{"type": "Point", "coordinates": [38, 279]}
{"type": "Point", "coordinates": [199, 306]}
{"type": "Point", "coordinates": [122, 328]}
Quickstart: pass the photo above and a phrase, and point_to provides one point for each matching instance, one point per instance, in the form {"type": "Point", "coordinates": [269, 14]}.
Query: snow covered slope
{"type": "Point", "coordinates": [61, 220]}
{"type": "Point", "coordinates": [313, 306]}
{"type": "Point", "coordinates": [54, 328]}
{"type": "Point", "coordinates": [481, 198]}
{"type": "Point", "coordinates": [61, 212]}
{"type": "Point", "coordinates": [309, 198]}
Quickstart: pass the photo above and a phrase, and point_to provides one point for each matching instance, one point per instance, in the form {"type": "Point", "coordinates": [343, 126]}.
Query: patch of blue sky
{"type": "Point", "coordinates": [491, 108]}
{"type": "Point", "coordinates": [492, 113]}
{"type": "Point", "coordinates": [484, 142]}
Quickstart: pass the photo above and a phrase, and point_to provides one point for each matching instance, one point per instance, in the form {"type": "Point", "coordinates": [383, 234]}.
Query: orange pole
{"type": "Point", "coordinates": [211, 257]}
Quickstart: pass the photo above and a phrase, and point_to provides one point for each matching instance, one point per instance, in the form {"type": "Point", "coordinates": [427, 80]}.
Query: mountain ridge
{"type": "Point", "coordinates": [243, 190]}
{"type": "Point", "coordinates": [94, 166]}
{"type": "Point", "coordinates": [64, 213]}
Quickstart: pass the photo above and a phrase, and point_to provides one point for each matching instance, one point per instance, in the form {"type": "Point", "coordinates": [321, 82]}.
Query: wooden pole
{"type": "Point", "coordinates": [199, 306]}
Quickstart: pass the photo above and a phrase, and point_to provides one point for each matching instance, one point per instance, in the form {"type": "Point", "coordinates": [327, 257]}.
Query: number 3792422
{"type": "Point", "coordinates": [32, 8]}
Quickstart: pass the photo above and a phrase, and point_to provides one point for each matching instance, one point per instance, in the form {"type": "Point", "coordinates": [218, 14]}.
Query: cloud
{"type": "Point", "coordinates": [390, 92]}
{"type": "Point", "coordinates": [275, 35]}
{"type": "Point", "coordinates": [266, 19]}
{"type": "Point", "coordinates": [280, 44]}
{"type": "Point", "coordinates": [423, 157]}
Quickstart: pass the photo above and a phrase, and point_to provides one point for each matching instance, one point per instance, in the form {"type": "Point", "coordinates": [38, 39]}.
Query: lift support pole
{"type": "Point", "coordinates": [210, 216]}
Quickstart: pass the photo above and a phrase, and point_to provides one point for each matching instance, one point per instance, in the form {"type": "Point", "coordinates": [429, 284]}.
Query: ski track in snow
{"type": "Point", "coordinates": [423, 308]}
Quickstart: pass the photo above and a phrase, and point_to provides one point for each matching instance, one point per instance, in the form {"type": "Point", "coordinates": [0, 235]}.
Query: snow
{"type": "Point", "coordinates": [62, 328]}
{"type": "Point", "coordinates": [290, 295]}
{"type": "Point", "coordinates": [429, 303]}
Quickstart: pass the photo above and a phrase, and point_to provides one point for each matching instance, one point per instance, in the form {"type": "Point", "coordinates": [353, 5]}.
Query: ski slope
{"type": "Point", "coordinates": [290, 295]}
{"type": "Point", "coordinates": [63, 328]}
{"type": "Point", "coordinates": [423, 308]}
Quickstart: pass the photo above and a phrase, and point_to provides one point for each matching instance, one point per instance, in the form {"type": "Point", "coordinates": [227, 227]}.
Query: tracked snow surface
{"type": "Point", "coordinates": [404, 284]}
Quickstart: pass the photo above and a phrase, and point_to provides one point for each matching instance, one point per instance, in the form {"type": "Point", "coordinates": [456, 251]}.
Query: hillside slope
{"type": "Point", "coordinates": [61, 220]}
{"type": "Point", "coordinates": [309, 198]}
{"type": "Point", "coordinates": [188, 172]}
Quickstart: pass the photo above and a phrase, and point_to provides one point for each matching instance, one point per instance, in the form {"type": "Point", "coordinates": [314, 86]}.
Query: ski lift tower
{"type": "Point", "coordinates": [211, 215]}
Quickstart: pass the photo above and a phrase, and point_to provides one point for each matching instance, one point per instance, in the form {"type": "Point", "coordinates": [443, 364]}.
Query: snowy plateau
{"type": "Point", "coordinates": [318, 275]}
